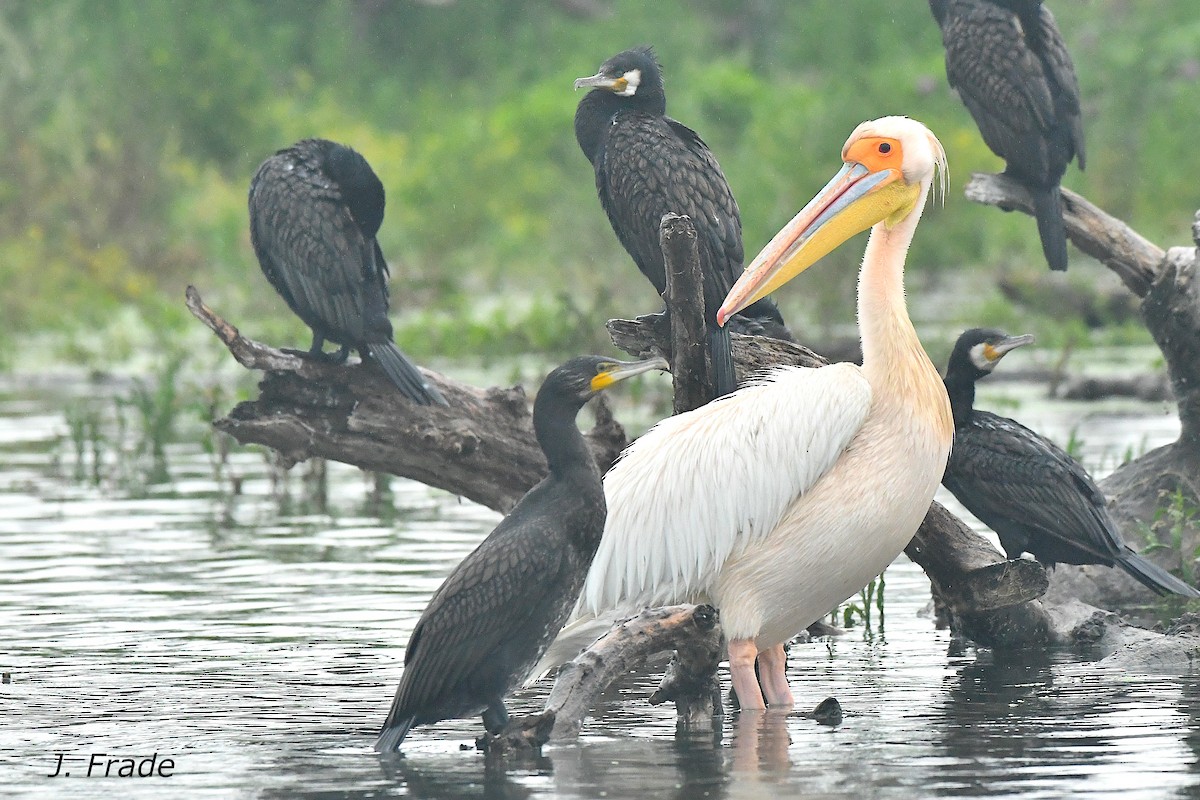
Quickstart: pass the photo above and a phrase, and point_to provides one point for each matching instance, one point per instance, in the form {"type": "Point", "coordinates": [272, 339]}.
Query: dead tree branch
{"type": "Point", "coordinates": [1131, 256]}
{"type": "Point", "coordinates": [691, 363]}
{"type": "Point", "coordinates": [481, 446]}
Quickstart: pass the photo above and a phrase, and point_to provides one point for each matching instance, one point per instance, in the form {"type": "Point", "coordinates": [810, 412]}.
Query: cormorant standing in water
{"type": "Point", "coordinates": [493, 617]}
{"type": "Point", "coordinates": [647, 164]}
{"type": "Point", "coordinates": [1011, 68]}
{"type": "Point", "coordinates": [1035, 497]}
{"type": "Point", "coordinates": [315, 208]}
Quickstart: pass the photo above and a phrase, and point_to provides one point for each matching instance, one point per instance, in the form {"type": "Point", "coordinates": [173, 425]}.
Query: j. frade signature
{"type": "Point", "coordinates": [107, 765]}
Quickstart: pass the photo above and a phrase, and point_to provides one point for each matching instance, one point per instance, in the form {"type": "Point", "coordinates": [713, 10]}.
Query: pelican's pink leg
{"type": "Point", "coordinates": [772, 673]}
{"type": "Point", "coordinates": [742, 653]}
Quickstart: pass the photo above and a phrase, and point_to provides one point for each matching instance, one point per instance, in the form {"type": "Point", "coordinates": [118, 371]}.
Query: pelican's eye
{"type": "Point", "coordinates": [885, 147]}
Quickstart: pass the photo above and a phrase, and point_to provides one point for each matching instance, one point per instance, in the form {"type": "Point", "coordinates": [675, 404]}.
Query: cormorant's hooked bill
{"type": "Point", "coordinates": [315, 210]}
{"type": "Point", "coordinates": [646, 165]}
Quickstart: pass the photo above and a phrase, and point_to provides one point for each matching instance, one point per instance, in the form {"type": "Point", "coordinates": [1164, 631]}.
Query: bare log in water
{"type": "Point", "coordinates": [481, 446]}
{"type": "Point", "coordinates": [690, 630]}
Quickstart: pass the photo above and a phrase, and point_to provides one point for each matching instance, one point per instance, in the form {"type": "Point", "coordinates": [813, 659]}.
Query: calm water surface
{"type": "Point", "coordinates": [257, 643]}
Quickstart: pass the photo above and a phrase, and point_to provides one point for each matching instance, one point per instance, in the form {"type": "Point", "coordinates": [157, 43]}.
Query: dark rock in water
{"type": "Point", "coordinates": [818, 629]}
{"type": "Point", "coordinates": [1123, 646]}
{"type": "Point", "coordinates": [1093, 629]}
{"type": "Point", "coordinates": [828, 712]}
{"type": "Point", "coordinates": [1188, 624]}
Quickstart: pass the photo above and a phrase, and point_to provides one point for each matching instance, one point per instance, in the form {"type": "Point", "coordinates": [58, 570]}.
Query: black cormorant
{"type": "Point", "coordinates": [1035, 497]}
{"type": "Point", "coordinates": [493, 617]}
{"type": "Point", "coordinates": [647, 164]}
{"type": "Point", "coordinates": [1009, 65]}
{"type": "Point", "coordinates": [315, 208]}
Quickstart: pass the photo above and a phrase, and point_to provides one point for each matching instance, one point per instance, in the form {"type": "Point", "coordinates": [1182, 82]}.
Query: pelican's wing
{"type": "Point", "coordinates": [701, 485]}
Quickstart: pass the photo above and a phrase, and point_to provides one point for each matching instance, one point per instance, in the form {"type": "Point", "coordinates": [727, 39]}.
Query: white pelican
{"type": "Point", "coordinates": [777, 502]}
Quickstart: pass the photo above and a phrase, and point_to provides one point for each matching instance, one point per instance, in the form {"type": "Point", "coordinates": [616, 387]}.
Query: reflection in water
{"type": "Point", "coordinates": [760, 755]}
{"type": "Point", "coordinates": [760, 743]}
{"type": "Point", "coordinates": [447, 779]}
{"type": "Point", "coordinates": [1042, 722]}
{"type": "Point", "coordinates": [260, 650]}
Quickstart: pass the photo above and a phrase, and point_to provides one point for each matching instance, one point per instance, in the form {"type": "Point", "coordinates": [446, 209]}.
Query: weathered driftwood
{"type": "Point", "coordinates": [1140, 492]}
{"type": "Point", "coordinates": [690, 630]}
{"type": "Point", "coordinates": [691, 364]}
{"type": "Point", "coordinates": [1107, 239]}
{"type": "Point", "coordinates": [481, 446]}
{"type": "Point", "coordinates": [1125, 647]}
{"type": "Point", "coordinates": [1152, 387]}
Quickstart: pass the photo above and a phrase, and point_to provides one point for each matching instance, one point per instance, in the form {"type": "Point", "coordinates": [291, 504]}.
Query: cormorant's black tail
{"type": "Point", "coordinates": [720, 344]}
{"type": "Point", "coordinates": [404, 374]}
{"type": "Point", "coordinates": [1152, 576]}
{"type": "Point", "coordinates": [1047, 208]}
{"type": "Point", "coordinates": [392, 735]}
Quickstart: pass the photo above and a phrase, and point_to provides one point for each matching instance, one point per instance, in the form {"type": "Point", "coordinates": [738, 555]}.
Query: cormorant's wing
{"type": "Point", "coordinates": [1010, 477]}
{"type": "Point", "coordinates": [508, 579]}
{"type": "Point", "coordinates": [310, 246]}
{"type": "Point", "coordinates": [699, 485]}
{"type": "Point", "coordinates": [1000, 81]}
{"type": "Point", "coordinates": [1063, 83]}
{"type": "Point", "coordinates": [652, 165]}
{"type": "Point", "coordinates": [722, 223]}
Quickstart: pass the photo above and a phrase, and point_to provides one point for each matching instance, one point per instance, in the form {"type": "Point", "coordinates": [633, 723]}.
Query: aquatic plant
{"type": "Point", "coordinates": [88, 442]}
{"type": "Point", "coordinates": [157, 406]}
{"type": "Point", "coordinates": [871, 594]}
{"type": "Point", "coordinates": [1176, 515]}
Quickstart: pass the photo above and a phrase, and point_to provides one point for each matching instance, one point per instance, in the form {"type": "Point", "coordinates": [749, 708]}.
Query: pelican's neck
{"type": "Point", "coordinates": [894, 361]}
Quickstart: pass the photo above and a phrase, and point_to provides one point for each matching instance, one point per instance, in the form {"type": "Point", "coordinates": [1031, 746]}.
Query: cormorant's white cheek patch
{"type": "Point", "coordinates": [633, 79]}
{"type": "Point", "coordinates": [979, 357]}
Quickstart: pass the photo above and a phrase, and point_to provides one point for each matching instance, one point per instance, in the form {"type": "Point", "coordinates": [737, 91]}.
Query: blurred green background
{"type": "Point", "coordinates": [130, 131]}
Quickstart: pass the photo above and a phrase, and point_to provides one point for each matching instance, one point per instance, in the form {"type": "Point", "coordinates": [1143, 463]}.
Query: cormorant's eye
{"type": "Point", "coordinates": [885, 147]}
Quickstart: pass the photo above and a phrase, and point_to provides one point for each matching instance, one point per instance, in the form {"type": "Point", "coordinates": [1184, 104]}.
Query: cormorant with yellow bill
{"type": "Point", "coordinates": [1028, 490]}
{"type": "Point", "coordinates": [493, 617]}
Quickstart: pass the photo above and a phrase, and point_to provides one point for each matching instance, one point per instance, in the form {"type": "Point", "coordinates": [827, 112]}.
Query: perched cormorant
{"type": "Point", "coordinates": [492, 618]}
{"type": "Point", "coordinates": [1035, 497]}
{"type": "Point", "coordinates": [1010, 67]}
{"type": "Point", "coordinates": [781, 500]}
{"type": "Point", "coordinates": [315, 208]}
{"type": "Point", "coordinates": [647, 164]}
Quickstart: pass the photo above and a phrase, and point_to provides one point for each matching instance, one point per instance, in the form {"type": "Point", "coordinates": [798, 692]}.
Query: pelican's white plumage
{"type": "Point", "coordinates": [651, 553]}
{"type": "Point", "coordinates": [782, 499]}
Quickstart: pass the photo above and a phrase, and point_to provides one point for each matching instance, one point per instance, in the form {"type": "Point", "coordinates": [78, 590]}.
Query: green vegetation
{"type": "Point", "coordinates": [871, 594]}
{"type": "Point", "coordinates": [131, 130]}
{"type": "Point", "coordinates": [1177, 513]}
